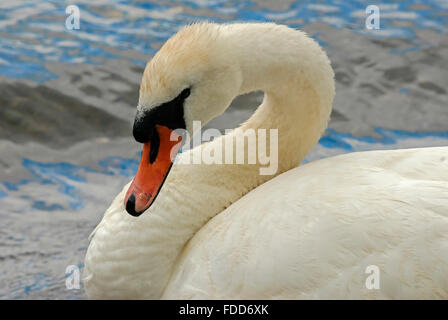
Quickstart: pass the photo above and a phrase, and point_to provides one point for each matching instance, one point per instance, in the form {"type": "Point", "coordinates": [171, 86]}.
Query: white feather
{"type": "Point", "coordinates": [225, 231]}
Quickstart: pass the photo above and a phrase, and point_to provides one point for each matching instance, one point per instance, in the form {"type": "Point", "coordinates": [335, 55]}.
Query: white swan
{"type": "Point", "coordinates": [310, 232]}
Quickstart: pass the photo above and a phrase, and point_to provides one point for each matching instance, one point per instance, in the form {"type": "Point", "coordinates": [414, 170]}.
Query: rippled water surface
{"type": "Point", "coordinates": [34, 32]}
{"type": "Point", "coordinates": [53, 194]}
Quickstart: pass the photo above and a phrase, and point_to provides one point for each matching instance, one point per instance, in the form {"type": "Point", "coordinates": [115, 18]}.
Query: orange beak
{"type": "Point", "coordinates": [150, 176]}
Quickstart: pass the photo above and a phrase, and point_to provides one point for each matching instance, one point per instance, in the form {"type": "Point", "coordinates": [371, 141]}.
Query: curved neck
{"type": "Point", "coordinates": [297, 79]}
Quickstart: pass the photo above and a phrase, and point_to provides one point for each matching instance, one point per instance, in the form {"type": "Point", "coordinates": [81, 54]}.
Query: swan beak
{"type": "Point", "coordinates": [154, 167]}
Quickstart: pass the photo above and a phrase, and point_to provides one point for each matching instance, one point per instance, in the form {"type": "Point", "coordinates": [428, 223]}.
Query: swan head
{"type": "Point", "coordinates": [192, 77]}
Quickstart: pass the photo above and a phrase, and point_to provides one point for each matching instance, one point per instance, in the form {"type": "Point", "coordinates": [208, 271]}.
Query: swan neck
{"type": "Point", "coordinates": [297, 79]}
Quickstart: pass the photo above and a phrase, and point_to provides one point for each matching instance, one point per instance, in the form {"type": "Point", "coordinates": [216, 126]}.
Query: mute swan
{"type": "Point", "coordinates": [225, 231]}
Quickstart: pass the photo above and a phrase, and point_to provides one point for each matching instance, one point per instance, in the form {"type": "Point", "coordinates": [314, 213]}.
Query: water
{"type": "Point", "coordinates": [36, 33]}
{"type": "Point", "coordinates": [51, 198]}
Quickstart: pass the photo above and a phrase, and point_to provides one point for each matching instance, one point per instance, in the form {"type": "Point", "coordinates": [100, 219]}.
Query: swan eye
{"type": "Point", "coordinates": [185, 93]}
{"type": "Point", "coordinates": [169, 114]}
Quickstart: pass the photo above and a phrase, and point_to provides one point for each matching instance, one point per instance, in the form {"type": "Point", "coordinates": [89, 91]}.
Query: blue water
{"type": "Point", "coordinates": [34, 32]}
{"type": "Point", "coordinates": [63, 176]}
{"type": "Point", "coordinates": [35, 246]}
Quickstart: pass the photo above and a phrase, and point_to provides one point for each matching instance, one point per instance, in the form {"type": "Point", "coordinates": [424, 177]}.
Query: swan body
{"type": "Point", "coordinates": [309, 232]}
